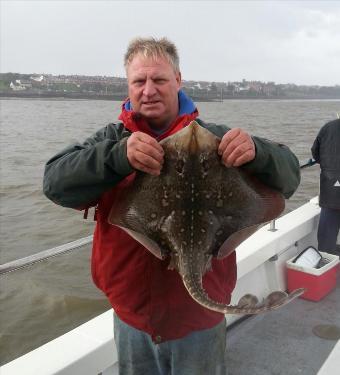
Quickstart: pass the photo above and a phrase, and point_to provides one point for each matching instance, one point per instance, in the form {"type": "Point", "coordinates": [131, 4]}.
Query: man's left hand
{"type": "Point", "coordinates": [236, 148]}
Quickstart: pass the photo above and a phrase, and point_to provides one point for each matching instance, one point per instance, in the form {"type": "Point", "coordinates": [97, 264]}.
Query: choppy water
{"type": "Point", "coordinates": [46, 300]}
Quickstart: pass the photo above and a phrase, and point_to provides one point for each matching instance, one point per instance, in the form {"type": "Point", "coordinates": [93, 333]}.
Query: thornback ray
{"type": "Point", "coordinates": [197, 209]}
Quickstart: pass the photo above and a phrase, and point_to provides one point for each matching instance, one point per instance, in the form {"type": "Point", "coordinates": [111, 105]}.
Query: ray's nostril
{"type": "Point", "coordinates": [205, 165]}
{"type": "Point", "coordinates": [180, 166]}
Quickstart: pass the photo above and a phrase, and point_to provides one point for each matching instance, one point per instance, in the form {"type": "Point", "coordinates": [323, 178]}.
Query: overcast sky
{"type": "Point", "coordinates": [281, 41]}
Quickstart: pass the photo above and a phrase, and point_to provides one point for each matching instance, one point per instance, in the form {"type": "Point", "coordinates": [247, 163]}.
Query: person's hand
{"type": "Point", "coordinates": [236, 148]}
{"type": "Point", "coordinates": [145, 153]}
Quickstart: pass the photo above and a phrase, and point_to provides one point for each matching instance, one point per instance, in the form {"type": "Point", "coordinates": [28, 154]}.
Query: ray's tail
{"type": "Point", "coordinates": [247, 305]}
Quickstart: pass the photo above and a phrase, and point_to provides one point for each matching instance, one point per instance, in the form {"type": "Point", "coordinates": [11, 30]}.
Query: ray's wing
{"type": "Point", "coordinates": [234, 240]}
{"type": "Point", "coordinates": [266, 204]}
{"type": "Point", "coordinates": [147, 242]}
{"type": "Point", "coordinates": [135, 211]}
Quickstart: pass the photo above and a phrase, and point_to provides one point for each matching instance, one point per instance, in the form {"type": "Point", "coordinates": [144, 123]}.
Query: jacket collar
{"type": "Point", "coordinates": [133, 121]}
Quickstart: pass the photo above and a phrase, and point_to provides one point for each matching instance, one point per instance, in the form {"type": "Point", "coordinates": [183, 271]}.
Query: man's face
{"type": "Point", "coordinates": [153, 90]}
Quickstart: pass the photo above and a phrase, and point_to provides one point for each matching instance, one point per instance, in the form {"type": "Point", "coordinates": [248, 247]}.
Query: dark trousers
{"type": "Point", "coordinates": [328, 230]}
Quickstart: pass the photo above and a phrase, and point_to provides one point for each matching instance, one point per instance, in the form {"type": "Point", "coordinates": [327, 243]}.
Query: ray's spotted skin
{"type": "Point", "coordinates": [197, 209]}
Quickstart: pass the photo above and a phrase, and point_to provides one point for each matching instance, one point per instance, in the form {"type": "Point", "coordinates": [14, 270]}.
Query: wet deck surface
{"type": "Point", "coordinates": [282, 341]}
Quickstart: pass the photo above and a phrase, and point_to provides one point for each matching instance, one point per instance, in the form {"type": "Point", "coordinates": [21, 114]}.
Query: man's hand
{"type": "Point", "coordinates": [236, 148]}
{"type": "Point", "coordinates": [145, 153]}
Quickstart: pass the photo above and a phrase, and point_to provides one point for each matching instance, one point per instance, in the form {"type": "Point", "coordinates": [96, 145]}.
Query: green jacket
{"type": "Point", "coordinates": [78, 175]}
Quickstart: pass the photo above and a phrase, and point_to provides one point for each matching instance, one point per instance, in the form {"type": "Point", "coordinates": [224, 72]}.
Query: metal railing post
{"type": "Point", "coordinates": [272, 227]}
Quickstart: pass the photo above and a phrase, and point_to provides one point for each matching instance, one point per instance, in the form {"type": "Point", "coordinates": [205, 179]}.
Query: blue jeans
{"type": "Point", "coordinates": [199, 353]}
{"type": "Point", "coordinates": [328, 230]}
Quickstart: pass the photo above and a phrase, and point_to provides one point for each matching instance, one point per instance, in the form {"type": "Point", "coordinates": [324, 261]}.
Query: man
{"type": "Point", "coordinates": [326, 151]}
{"type": "Point", "coordinates": [159, 329]}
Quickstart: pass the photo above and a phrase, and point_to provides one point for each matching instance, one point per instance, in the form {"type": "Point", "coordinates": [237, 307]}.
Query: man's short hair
{"type": "Point", "coordinates": [152, 48]}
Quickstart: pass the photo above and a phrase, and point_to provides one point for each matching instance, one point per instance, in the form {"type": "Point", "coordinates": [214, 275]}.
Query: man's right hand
{"type": "Point", "coordinates": [145, 153]}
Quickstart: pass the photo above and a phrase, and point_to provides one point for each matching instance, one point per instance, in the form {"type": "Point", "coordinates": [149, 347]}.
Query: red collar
{"type": "Point", "coordinates": [135, 122]}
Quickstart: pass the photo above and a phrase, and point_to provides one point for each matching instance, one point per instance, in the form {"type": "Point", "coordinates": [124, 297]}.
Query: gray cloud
{"type": "Point", "coordinates": [281, 41]}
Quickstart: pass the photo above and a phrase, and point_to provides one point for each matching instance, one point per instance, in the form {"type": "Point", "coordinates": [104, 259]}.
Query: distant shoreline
{"type": "Point", "coordinates": [120, 97]}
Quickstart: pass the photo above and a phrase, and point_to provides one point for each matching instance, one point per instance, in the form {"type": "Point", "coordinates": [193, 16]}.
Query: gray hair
{"type": "Point", "coordinates": [152, 48]}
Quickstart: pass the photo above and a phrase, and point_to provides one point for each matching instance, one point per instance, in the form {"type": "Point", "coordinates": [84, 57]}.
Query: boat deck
{"type": "Point", "coordinates": [283, 342]}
